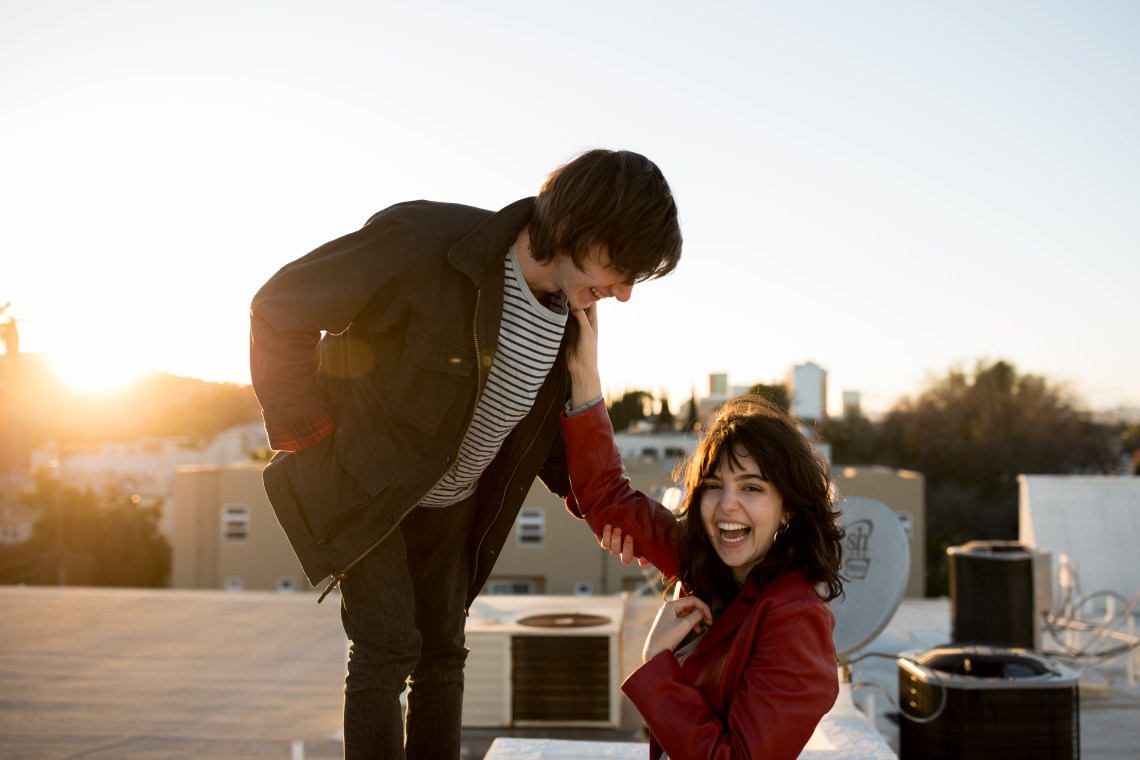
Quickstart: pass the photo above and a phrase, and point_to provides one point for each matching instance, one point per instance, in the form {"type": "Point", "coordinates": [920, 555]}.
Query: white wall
{"type": "Point", "coordinates": [1094, 519]}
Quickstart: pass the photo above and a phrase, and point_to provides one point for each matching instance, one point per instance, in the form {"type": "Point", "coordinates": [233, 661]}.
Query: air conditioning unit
{"type": "Point", "coordinates": [999, 593]}
{"type": "Point", "coordinates": [543, 661]}
{"type": "Point", "coordinates": [986, 703]}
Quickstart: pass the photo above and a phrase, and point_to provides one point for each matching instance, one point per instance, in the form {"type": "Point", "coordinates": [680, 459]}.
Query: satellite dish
{"type": "Point", "coordinates": [876, 563]}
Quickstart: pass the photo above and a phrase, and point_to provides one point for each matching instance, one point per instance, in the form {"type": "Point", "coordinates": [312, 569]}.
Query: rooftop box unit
{"type": "Point", "coordinates": [999, 593]}
{"type": "Point", "coordinates": [986, 703]}
{"type": "Point", "coordinates": [543, 661]}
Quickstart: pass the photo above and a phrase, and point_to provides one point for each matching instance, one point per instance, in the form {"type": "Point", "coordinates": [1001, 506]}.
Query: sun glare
{"type": "Point", "coordinates": [94, 371]}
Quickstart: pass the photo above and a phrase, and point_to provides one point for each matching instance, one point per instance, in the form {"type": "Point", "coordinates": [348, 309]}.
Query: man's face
{"type": "Point", "coordinates": [595, 281]}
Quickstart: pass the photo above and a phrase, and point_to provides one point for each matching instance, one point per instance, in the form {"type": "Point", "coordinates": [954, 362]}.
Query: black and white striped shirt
{"type": "Point", "coordinates": [529, 336]}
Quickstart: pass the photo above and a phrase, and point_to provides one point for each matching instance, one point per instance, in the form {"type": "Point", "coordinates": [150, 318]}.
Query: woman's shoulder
{"type": "Point", "coordinates": [785, 588]}
{"type": "Point", "coordinates": [791, 599]}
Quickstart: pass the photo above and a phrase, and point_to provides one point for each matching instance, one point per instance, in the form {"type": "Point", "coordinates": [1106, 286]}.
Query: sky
{"type": "Point", "coordinates": [888, 189]}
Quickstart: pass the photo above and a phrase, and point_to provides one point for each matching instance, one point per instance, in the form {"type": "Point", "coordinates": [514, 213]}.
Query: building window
{"type": "Point", "coordinates": [583, 588]}
{"type": "Point", "coordinates": [510, 586]}
{"type": "Point", "coordinates": [234, 583]}
{"type": "Point", "coordinates": [235, 523]}
{"type": "Point", "coordinates": [531, 527]}
{"type": "Point", "coordinates": [285, 585]}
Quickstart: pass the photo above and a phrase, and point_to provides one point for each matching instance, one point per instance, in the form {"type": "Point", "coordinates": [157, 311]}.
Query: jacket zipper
{"type": "Point", "coordinates": [338, 577]}
{"type": "Point", "coordinates": [530, 444]}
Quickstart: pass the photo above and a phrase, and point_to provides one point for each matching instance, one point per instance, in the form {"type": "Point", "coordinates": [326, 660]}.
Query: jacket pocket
{"type": "Point", "coordinates": [325, 493]}
{"type": "Point", "coordinates": [426, 385]}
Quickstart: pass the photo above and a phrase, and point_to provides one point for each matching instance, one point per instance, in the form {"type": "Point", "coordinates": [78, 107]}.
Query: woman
{"type": "Point", "coordinates": [742, 665]}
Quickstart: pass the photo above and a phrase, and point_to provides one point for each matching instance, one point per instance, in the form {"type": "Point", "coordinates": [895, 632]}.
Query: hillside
{"type": "Point", "coordinates": [35, 407]}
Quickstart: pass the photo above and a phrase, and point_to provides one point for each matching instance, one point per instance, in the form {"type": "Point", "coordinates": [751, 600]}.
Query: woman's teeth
{"type": "Point", "coordinates": [594, 292]}
{"type": "Point", "coordinates": [733, 533]}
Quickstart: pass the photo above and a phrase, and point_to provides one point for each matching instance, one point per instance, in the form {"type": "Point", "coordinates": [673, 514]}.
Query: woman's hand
{"type": "Point", "coordinates": [675, 620]}
{"type": "Point", "coordinates": [582, 358]}
{"type": "Point", "coordinates": [612, 542]}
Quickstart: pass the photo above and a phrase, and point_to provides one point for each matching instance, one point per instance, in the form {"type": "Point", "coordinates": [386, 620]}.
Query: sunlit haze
{"type": "Point", "coordinates": [887, 189]}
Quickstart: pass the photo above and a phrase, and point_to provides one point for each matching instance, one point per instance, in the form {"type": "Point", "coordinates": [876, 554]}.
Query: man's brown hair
{"type": "Point", "coordinates": [618, 201]}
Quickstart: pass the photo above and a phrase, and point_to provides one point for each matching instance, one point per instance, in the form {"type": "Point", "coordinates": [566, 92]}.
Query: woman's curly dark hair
{"type": "Point", "coordinates": [812, 542]}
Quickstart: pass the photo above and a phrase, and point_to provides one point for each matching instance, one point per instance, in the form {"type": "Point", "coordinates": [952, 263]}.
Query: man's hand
{"type": "Point", "coordinates": [675, 619]}
{"type": "Point", "coordinates": [612, 542]}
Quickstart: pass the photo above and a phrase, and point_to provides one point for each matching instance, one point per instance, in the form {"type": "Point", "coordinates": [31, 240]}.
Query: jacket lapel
{"type": "Point", "coordinates": [724, 627]}
{"type": "Point", "coordinates": [480, 254]}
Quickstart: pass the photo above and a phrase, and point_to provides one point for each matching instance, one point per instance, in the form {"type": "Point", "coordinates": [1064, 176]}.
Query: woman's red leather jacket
{"type": "Point", "coordinates": [763, 675]}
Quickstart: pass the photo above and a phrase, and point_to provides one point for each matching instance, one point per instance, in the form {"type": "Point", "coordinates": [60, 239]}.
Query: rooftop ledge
{"type": "Point", "coordinates": [843, 734]}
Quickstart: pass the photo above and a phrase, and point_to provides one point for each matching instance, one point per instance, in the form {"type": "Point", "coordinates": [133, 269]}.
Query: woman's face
{"type": "Point", "coordinates": [740, 512]}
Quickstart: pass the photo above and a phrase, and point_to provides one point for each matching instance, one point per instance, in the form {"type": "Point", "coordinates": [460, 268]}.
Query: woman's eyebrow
{"type": "Point", "coordinates": [752, 476]}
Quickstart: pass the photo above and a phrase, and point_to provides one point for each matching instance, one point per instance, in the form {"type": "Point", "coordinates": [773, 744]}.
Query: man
{"type": "Point", "coordinates": [411, 376]}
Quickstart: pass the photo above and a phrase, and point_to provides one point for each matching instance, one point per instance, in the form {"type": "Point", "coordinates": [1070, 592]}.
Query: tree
{"type": "Point", "coordinates": [692, 413]}
{"type": "Point", "coordinates": [854, 439]}
{"type": "Point", "coordinates": [632, 407]}
{"type": "Point", "coordinates": [971, 435]}
{"type": "Point", "coordinates": [1130, 445]}
{"type": "Point", "coordinates": [777, 393]}
{"type": "Point", "coordinates": [665, 418]}
{"type": "Point", "coordinates": [85, 539]}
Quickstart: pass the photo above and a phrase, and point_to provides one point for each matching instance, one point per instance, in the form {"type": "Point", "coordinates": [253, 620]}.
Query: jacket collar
{"type": "Point", "coordinates": [480, 254]}
{"type": "Point", "coordinates": [741, 608]}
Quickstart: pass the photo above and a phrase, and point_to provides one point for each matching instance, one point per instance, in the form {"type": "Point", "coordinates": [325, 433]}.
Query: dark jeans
{"type": "Point", "coordinates": [402, 608]}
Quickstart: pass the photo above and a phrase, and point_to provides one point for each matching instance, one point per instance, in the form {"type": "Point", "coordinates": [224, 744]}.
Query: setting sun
{"type": "Point", "coordinates": [93, 369]}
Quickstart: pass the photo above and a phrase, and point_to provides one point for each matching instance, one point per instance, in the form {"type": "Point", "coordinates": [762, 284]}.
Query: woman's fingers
{"type": "Point", "coordinates": [674, 621]}
{"type": "Point", "coordinates": [587, 319]}
{"type": "Point", "coordinates": [588, 316]}
{"type": "Point", "coordinates": [582, 317]}
{"type": "Point", "coordinates": [691, 607]}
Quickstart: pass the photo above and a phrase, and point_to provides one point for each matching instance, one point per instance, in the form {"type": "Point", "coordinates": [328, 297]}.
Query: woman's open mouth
{"type": "Point", "coordinates": [732, 533]}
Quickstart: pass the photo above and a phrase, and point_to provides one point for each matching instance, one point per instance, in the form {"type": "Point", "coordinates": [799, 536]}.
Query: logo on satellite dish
{"type": "Point", "coordinates": [856, 549]}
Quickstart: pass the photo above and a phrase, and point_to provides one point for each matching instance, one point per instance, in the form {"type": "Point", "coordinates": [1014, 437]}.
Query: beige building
{"type": "Point", "coordinates": [227, 537]}
{"type": "Point", "coordinates": [552, 552]}
{"type": "Point", "coordinates": [225, 533]}
{"type": "Point", "coordinates": [903, 491]}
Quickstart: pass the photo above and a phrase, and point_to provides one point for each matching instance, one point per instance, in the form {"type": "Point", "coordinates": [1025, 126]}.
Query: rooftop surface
{"type": "Point", "coordinates": [127, 673]}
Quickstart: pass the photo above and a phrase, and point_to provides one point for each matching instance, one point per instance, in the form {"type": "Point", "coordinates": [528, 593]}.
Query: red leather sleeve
{"type": "Point", "coordinates": [600, 492]}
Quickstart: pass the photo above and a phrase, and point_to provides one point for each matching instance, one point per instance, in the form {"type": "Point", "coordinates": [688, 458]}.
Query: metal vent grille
{"type": "Point", "coordinates": [560, 678]}
{"type": "Point", "coordinates": [993, 595]}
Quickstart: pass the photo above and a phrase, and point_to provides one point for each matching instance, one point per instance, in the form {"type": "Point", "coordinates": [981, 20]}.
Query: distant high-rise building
{"type": "Point", "coordinates": [718, 386]}
{"type": "Point", "coordinates": [807, 386]}
{"type": "Point", "coordinates": [852, 404]}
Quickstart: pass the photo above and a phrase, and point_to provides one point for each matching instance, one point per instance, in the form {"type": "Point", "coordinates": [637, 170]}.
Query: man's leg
{"type": "Point", "coordinates": [436, 541]}
{"type": "Point", "coordinates": [378, 613]}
